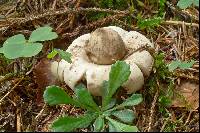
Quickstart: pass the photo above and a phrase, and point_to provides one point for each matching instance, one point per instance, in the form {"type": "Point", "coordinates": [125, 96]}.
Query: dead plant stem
{"type": "Point", "coordinates": [11, 90]}
{"type": "Point", "coordinates": [153, 109]}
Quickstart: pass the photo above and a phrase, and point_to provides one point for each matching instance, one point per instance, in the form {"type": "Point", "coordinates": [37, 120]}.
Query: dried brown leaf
{"type": "Point", "coordinates": [188, 95]}
{"type": "Point", "coordinates": [43, 77]}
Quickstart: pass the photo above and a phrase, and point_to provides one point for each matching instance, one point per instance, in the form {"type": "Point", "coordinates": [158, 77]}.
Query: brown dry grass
{"type": "Point", "coordinates": [23, 109]}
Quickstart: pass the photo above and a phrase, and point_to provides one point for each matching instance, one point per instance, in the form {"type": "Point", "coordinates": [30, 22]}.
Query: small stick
{"type": "Point", "coordinates": [11, 90]}
{"type": "Point", "coordinates": [152, 111]}
{"type": "Point", "coordinates": [11, 102]}
{"type": "Point", "coordinates": [54, 4]}
{"type": "Point", "coordinates": [188, 118]}
{"type": "Point", "coordinates": [180, 23]}
{"type": "Point", "coordinates": [18, 120]}
{"type": "Point", "coordinates": [19, 21]}
{"type": "Point", "coordinates": [64, 11]}
{"type": "Point", "coordinates": [93, 25]}
{"type": "Point", "coordinates": [165, 123]}
{"type": "Point", "coordinates": [7, 76]}
{"type": "Point", "coordinates": [181, 75]}
{"type": "Point", "coordinates": [140, 48]}
{"type": "Point", "coordinates": [41, 111]}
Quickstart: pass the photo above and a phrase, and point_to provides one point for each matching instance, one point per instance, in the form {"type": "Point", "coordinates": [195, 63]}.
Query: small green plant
{"type": "Point", "coordinates": [183, 4]}
{"type": "Point", "coordinates": [162, 71]}
{"type": "Point", "coordinates": [165, 97]}
{"type": "Point", "coordinates": [101, 117]}
{"type": "Point", "coordinates": [161, 8]}
{"type": "Point", "coordinates": [164, 76]}
{"type": "Point", "coordinates": [17, 46]}
{"type": "Point", "coordinates": [161, 76]}
{"type": "Point", "coordinates": [63, 54]}
{"type": "Point", "coordinates": [148, 23]}
{"type": "Point", "coordinates": [113, 4]}
{"type": "Point", "coordinates": [156, 20]}
{"type": "Point", "coordinates": [179, 64]}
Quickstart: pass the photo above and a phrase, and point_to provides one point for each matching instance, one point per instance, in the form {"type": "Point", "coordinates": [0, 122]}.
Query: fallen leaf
{"type": "Point", "coordinates": [188, 95]}
{"type": "Point", "coordinates": [43, 77]}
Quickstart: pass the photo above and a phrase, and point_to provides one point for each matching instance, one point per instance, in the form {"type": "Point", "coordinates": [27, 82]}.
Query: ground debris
{"type": "Point", "coordinates": [187, 95]}
{"type": "Point", "coordinates": [177, 36]}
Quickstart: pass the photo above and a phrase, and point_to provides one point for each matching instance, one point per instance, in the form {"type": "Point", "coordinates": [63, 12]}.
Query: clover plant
{"type": "Point", "coordinates": [18, 46]}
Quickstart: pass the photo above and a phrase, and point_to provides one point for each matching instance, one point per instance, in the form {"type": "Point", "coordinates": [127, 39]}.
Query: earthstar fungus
{"type": "Point", "coordinates": [94, 53]}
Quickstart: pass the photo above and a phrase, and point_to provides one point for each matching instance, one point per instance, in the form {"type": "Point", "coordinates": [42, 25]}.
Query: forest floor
{"type": "Point", "coordinates": [23, 80]}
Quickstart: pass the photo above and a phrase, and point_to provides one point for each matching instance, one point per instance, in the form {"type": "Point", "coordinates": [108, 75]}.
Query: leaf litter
{"type": "Point", "coordinates": [25, 102]}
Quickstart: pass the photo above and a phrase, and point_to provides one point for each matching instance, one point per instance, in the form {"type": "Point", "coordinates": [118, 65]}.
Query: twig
{"type": "Point", "coordinates": [152, 111]}
{"type": "Point", "coordinates": [18, 123]}
{"type": "Point", "coordinates": [92, 25]}
{"type": "Point", "coordinates": [182, 75]}
{"type": "Point", "coordinates": [11, 90]}
{"type": "Point", "coordinates": [60, 12]}
{"type": "Point", "coordinates": [11, 101]}
{"type": "Point", "coordinates": [54, 4]}
{"type": "Point", "coordinates": [183, 44]}
{"type": "Point", "coordinates": [188, 118]}
{"type": "Point", "coordinates": [180, 23]}
{"type": "Point", "coordinates": [196, 18]}
{"type": "Point", "coordinates": [140, 48]}
{"type": "Point", "coordinates": [41, 111]}
{"type": "Point", "coordinates": [7, 76]}
{"type": "Point", "coordinates": [18, 21]}
{"type": "Point", "coordinates": [163, 126]}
